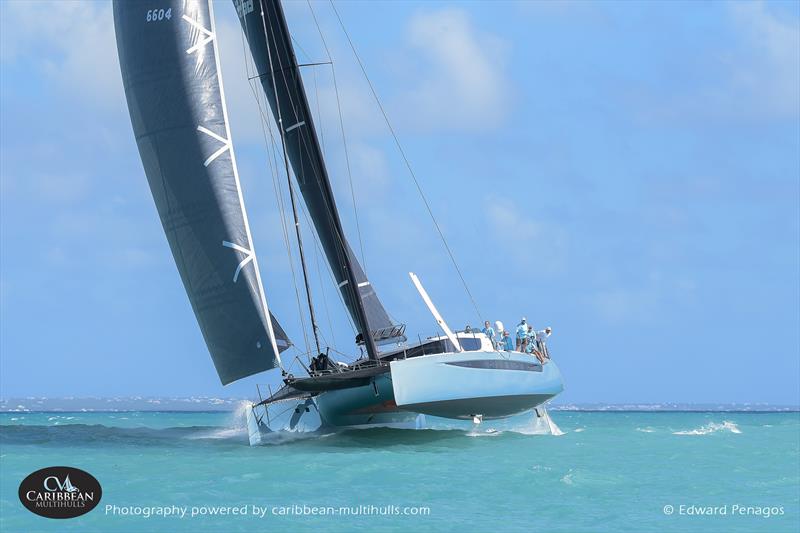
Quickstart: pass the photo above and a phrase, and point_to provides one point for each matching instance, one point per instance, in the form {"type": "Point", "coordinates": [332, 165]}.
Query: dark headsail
{"type": "Point", "coordinates": [170, 71]}
{"type": "Point", "coordinates": [265, 27]}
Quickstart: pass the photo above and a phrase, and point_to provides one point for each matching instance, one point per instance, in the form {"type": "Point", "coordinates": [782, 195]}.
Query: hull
{"type": "Point", "coordinates": [461, 385]}
{"type": "Point", "coordinates": [466, 384]}
{"type": "Point", "coordinates": [361, 407]}
{"type": "Point", "coordinates": [368, 406]}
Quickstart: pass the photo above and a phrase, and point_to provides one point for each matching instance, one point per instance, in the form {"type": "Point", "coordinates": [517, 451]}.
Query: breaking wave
{"type": "Point", "coordinates": [711, 427]}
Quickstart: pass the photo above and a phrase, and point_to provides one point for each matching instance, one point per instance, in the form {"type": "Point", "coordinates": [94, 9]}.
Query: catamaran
{"type": "Point", "coordinates": [170, 62]}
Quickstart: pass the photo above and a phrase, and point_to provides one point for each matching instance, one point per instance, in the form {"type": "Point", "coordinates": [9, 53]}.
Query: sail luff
{"type": "Point", "coordinates": [251, 246]}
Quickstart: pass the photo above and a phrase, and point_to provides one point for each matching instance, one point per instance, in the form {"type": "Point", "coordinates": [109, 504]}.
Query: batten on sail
{"type": "Point", "coordinates": [170, 70]}
{"type": "Point", "coordinates": [270, 44]}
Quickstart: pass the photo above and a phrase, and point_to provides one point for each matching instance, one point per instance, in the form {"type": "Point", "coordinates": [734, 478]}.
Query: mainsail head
{"type": "Point", "coordinates": [170, 70]}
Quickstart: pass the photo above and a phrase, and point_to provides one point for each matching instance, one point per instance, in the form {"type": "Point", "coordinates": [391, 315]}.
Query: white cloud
{"type": "Point", "coordinates": [72, 43]}
{"type": "Point", "coordinates": [619, 305]}
{"type": "Point", "coordinates": [753, 76]}
{"type": "Point", "coordinates": [770, 72]}
{"type": "Point", "coordinates": [461, 82]}
{"type": "Point", "coordinates": [534, 246]}
{"type": "Point", "coordinates": [638, 300]}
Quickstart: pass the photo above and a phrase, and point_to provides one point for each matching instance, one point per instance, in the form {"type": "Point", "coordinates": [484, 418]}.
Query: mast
{"type": "Point", "coordinates": [314, 326]}
{"type": "Point", "coordinates": [267, 34]}
{"type": "Point", "coordinates": [273, 55]}
{"type": "Point", "coordinates": [353, 285]}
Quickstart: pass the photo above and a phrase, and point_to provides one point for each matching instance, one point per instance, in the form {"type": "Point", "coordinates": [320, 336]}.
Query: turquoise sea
{"type": "Point", "coordinates": [609, 471]}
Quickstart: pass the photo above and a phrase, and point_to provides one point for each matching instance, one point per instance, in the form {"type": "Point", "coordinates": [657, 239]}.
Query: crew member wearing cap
{"type": "Point", "coordinates": [541, 346]}
{"type": "Point", "coordinates": [522, 334]}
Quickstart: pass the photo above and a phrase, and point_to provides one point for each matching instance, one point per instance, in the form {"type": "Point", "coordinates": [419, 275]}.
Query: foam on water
{"type": "Point", "coordinates": [478, 431]}
{"type": "Point", "coordinates": [711, 427]}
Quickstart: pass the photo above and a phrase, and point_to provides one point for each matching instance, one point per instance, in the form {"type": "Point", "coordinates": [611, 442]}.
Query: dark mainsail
{"type": "Point", "coordinates": [170, 70]}
{"type": "Point", "coordinates": [264, 25]}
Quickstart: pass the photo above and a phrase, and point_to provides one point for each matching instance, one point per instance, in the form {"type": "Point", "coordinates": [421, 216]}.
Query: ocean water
{"type": "Point", "coordinates": [608, 471]}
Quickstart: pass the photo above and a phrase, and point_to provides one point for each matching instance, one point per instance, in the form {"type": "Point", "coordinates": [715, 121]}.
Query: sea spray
{"type": "Point", "coordinates": [539, 425]}
{"type": "Point", "coordinates": [235, 426]}
{"type": "Point", "coordinates": [554, 429]}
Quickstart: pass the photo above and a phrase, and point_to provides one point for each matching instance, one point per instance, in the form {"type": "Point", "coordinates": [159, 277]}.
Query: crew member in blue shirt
{"type": "Point", "coordinates": [488, 330]}
{"type": "Point", "coordinates": [522, 335]}
{"type": "Point", "coordinates": [531, 340]}
{"type": "Point", "coordinates": [508, 342]}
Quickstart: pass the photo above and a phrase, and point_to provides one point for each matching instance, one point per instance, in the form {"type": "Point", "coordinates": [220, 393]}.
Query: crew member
{"type": "Point", "coordinates": [541, 345]}
{"type": "Point", "coordinates": [488, 330]}
{"type": "Point", "coordinates": [522, 334]}
{"type": "Point", "coordinates": [508, 342]}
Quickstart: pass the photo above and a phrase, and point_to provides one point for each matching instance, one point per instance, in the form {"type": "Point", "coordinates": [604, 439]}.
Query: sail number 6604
{"type": "Point", "coordinates": [157, 15]}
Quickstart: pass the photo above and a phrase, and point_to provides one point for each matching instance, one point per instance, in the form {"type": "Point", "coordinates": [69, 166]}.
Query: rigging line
{"type": "Point", "coordinates": [330, 209]}
{"type": "Point", "coordinates": [341, 252]}
{"type": "Point", "coordinates": [273, 173]}
{"type": "Point", "coordinates": [407, 163]}
{"type": "Point", "coordinates": [273, 163]}
{"type": "Point", "coordinates": [314, 327]}
{"type": "Point", "coordinates": [302, 253]}
{"type": "Point", "coordinates": [318, 63]}
{"type": "Point", "coordinates": [259, 76]}
{"type": "Point", "coordinates": [316, 247]}
{"type": "Point", "coordinates": [319, 250]}
{"type": "Point", "coordinates": [324, 297]}
{"type": "Point", "coordinates": [344, 138]}
{"type": "Point", "coordinates": [297, 44]}
{"type": "Point", "coordinates": [282, 215]}
{"type": "Point", "coordinates": [279, 198]}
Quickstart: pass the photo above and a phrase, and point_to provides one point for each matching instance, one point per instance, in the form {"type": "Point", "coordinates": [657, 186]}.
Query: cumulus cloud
{"type": "Point", "coordinates": [769, 71]}
{"type": "Point", "coordinates": [460, 80]}
{"type": "Point", "coordinates": [72, 43]}
{"type": "Point", "coordinates": [640, 300]}
{"type": "Point", "coordinates": [753, 76]}
{"type": "Point", "coordinates": [534, 246]}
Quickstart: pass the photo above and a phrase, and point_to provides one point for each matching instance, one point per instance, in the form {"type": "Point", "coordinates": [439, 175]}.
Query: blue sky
{"type": "Point", "coordinates": [628, 173]}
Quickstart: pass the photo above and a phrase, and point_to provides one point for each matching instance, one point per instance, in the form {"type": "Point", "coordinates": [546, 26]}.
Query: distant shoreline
{"type": "Point", "coordinates": [204, 404]}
